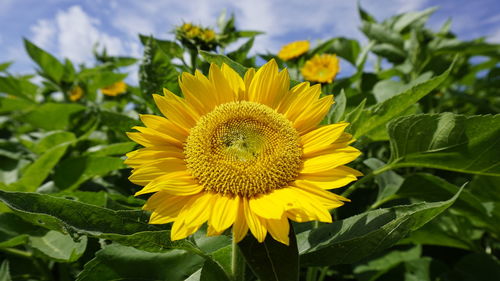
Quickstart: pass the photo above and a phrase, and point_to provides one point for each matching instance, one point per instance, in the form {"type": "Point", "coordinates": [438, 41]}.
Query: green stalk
{"type": "Point", "coordinates": [237, 263]}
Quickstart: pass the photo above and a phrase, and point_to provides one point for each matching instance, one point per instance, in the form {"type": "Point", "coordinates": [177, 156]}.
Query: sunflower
{"type": "Point", "coordinates": [293, 50]}
{"type": "Point", "coordinates": [208, 35]}
{"type": "Point", "coordinates": [321, 68]}
{"type": "Point", "coordinates": [76, 93]}
{"type": "Point", "coordinates": [246, 153]}
{"type": "Point", "coordinates": [115, 89]}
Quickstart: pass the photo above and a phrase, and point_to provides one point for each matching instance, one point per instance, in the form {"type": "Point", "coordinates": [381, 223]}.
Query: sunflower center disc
{"type": "Point", "coordinates": [243, 148]}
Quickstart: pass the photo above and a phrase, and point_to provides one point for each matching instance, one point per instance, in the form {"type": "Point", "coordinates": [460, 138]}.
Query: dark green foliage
{"type": "Point", "coordinates": [425, 116]}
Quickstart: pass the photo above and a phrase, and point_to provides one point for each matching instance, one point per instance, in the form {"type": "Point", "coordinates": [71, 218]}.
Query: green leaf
{"type": "Point", "coordinates": [390, 52]}
{"type": "Point", "coordinates": [354, 115]}
{"type": "Point", "coordinates": [211, 271]}
{"type": "Point", "coordinates": [382, 113]}
{"type": "Point", "coordinates": [477, 267]}
{"type": "Point", "coordinates": [76, 218]}
{"type": "Point", "coordinates": [345, 48]}
{"type": "Point", "coordinates": [156, 72]}
{"type": "Point", "coordinates": [19, 87]}
{"type": "Point", "coordinates": [431, 188]}
{"type": "Point", "coordinates": [337, 111]}
{"type": "Point", "coordinates": [72, 172]}
{"type": "Point", "coordinates": [223, 257]}
{"type": "Point", "coordinates": [59, 247]}
{"type": "Point", "coordinates": [101, 79]}
{"type": "Point", "coordinates": [248, 33]}
{"type": "Point", "coordinates": [69, 71]}
{"type": "Point", "coordinates": [53, 116]}
{"type": "Point", "coordinates": [386, 89]}
{"type": "Point", "coordinates": [116, 262]}
{"type": "Point", "coordinates": [388, 182]}
{"type": "Point", "coordinates": [170, 48]}
{"type": "Point", "coordinates": [15, 241]}
{"type": "Point", "coordinates": [220, 59]}
{"type": "Point", "coordinates": [51, 140]}
{"type": "Point", "coordinates": [467, 144]}
{"type": "Point", "coordinates": [410, 18]}
{"type": "Point", "coordinates": [113, 149]}
{"type": "Point", "coordinates": [8, 104]}
{"type": "Point", "coordinates": [377, 266]}
{"type": "Point", "coordinates": [240, 54]}
{"type": "Point", "coordinates": [272, 260]}
{"type": "Point", "coordinates": [447, 230]}
{"type": "Point", "coordinates": [382, 34]}
{"type": "Point", "coordinates": [118, 122]}
{"type": "Point", "coordinates": [364, 15]}
{"type": "Point", "coordinates": [37, 172]}
{"type": "Point", "coordinates": [352, 239]}
{"type": "Point", "coordinates": [4, 271]}
{"type": "Point", "coordinates": [5, 65]}
{"type": "Point", "coordinates": [50, 67]}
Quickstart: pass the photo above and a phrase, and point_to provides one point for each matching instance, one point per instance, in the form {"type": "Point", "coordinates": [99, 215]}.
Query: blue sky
{"type": "Point", "coordinates": [69, 28]}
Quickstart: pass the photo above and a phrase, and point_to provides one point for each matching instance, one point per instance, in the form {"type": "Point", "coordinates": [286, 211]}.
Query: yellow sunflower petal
{"type": "Point", "coordinates": [146, 173]}
{"type": "Point", "coordinates": [254, 223]}
{"type": "Point", "coordinates": [268, 206]}
{"type": "Point", "coordinates": [224, 212]}
{"type": "Point", "coordinates": [198, 91]}
{"type": "Point", "coordinates": [176, 109]}
{"type": "Point", "coordinates": [164, 126]}
{"type": "Point", "coordinates": [268, 85]}
{"type": "Point", "coordinates": [301, 98]}
{"type": "Point", "coordinates": [329, 199]}
{"type": "Point", "coordinates": [247, 80]}
{"type": "Point", "coordinates": [312, 115]}
{"type": "Point", "coordinates": [240, 226]}
{"type": "Point", "coordinates": [330, 161]}
{"type": "Point", "coordinates": [165, 207]}
{"type": "Point", "coordinates": [321, 137]}
{"type": "Point", "coordinates": [192, 216]}
{"type": "Point", "coordinates": [212, 232]}
{"type": "Point", "coordinates": [279, 229]}
{"type": "Point", "coordinates": [224, 91]}
{"type": "Point", "coordinates": [157, 138]}
{"type": "Point", "coordinates": [145, 156]}
{"type": "Point", "coordinates": [178, 183]}
{"type": "Point", "coordinates": [334, 178]}
{"type": "Point", "coordinates": [234, 79]}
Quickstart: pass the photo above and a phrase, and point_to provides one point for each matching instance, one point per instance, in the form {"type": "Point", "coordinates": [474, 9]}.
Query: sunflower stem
{"type": "Point", "coordinates": [237, 263]}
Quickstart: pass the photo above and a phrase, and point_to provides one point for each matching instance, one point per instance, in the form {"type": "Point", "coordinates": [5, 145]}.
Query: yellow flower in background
{"type": "Point", "coordinates": [193, 32]}
{"type": "Point", "coordinates": [293, 50]}
{"type": "Point", "coordinates": [207, 35]}
{"type": "Point", "coordinates": [76, 93]}
{"type": "Point", "coordinates": [321, 68]}
{"type": "Point", "coordinates": [186, 27]}
{"type": "Point", "coordinates": [246, 153]}
{"type": "Point", "coordinates": [115, 89]}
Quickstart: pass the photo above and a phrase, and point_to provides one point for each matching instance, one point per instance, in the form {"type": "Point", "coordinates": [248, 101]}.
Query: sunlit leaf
{"type": "Point", "coordinates": [467, 144]}
{"type": "Point", "coordinates": [349, 240]}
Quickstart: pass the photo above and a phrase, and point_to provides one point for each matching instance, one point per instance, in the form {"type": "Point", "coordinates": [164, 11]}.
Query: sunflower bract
{"type": "Point", "coordinates": [241, 152]}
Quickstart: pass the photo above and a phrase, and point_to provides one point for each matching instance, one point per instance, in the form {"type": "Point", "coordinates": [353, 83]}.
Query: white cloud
{"type": "Point", "coordinates": [495, 37]}
{"type": "Point", "coordinates": [44, 32]}
{"type": "Point", "coordinates": [78, 33]}
{"type": "Point", "coordinates": [73, 34]}
{"type": "Point", "coordinates": [132, 24]}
